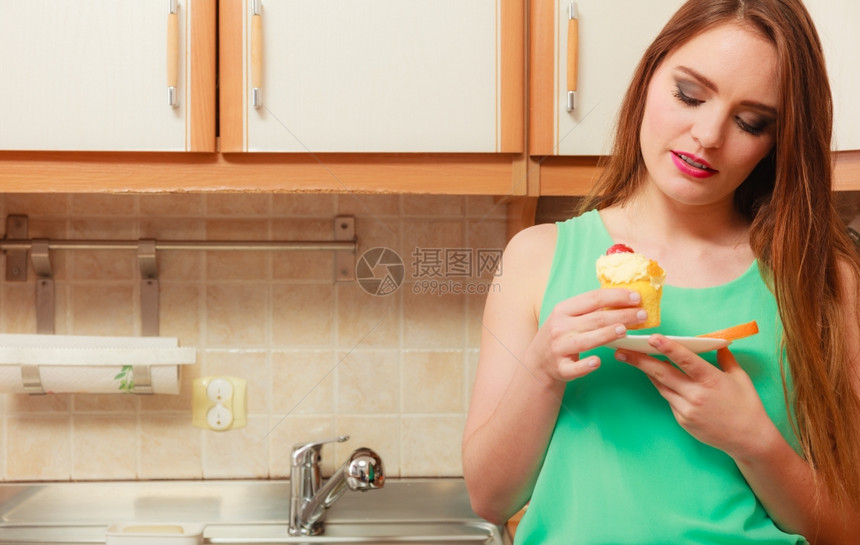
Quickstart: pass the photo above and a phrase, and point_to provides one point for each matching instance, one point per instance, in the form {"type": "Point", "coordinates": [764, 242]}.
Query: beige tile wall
{"type": "Point", "coordinates": [320, 358]}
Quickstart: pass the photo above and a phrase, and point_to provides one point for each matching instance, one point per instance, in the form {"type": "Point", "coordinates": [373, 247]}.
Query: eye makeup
{"type": "Point", "coordinates": [755, 128]}
{"type": "Point", "coordinates": [686, 92]}
{"type": "Point", "coordinates": [684, 95]}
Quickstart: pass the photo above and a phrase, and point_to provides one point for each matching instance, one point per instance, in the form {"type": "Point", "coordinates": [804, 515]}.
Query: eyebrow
{"type": "Point", "coordinates": [713, 87]}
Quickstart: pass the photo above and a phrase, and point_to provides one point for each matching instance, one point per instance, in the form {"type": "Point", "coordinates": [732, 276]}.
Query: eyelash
{"type": "Point", "coordinates": [694, 102]}
{"type": "Point", "coordinates": [689, 101]}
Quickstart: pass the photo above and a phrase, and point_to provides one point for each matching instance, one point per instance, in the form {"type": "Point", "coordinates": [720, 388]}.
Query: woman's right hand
{"type": "Point", "coordinates": [579, 324]}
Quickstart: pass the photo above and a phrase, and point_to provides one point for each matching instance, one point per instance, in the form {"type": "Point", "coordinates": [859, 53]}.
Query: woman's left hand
{"type": "Point", "coordinates": [718, 406]}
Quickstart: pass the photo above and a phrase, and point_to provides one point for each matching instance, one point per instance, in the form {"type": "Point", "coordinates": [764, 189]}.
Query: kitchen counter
{"type": "Point", "coordinates": [238, 512]}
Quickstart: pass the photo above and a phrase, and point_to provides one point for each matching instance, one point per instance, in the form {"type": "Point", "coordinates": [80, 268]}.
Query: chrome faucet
{"type": "Point", "coordinates": [309, 499]}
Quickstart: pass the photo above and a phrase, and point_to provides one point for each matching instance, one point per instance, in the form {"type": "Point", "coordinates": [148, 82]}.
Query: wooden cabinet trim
{"type": "Point", "coordinates": [201, 77]}
{"type": "Point", "coordinates": [513, 76]}
{"type": "Point", "coordinates": [457, 174]}
{"type": "Point", "coordinates": [541, 77]}
{"type": "Point", "coordinates": [568, 175]}
{"type": "Point", "coordinates": [847, 171]}
{"type": "Point", "coordinates": [232, 75]}
{"type": "Point", "coordinates": [98, 172]}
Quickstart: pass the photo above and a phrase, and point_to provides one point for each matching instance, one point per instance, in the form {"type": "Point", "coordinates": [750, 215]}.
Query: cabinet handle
{"type": "Point", "coordinates": [257, 57]}
{"type": "Point", "coordinates": [172, 55]}
{"type": "Point", "coordinates": [572, 55]}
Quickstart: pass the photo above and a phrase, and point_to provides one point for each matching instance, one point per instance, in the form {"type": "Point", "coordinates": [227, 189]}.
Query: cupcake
{"type": "Point", "coordinates": [621, 267]}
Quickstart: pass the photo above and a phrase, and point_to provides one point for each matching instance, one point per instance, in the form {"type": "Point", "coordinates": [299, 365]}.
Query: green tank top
{"type": "Point", "coordinates": [619, 469]}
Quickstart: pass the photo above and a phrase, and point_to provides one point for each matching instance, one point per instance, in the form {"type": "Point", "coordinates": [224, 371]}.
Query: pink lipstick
{"type": "Point", "coordinates": [692, 165]}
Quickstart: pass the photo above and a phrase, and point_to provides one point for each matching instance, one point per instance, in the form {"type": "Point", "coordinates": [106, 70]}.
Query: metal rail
{"type": "Point", "coordinates": [13, 245]}
{"type": "Point", "coordinates": [21, 252]}
{"type": "Point", "coordinates": [19, 249]}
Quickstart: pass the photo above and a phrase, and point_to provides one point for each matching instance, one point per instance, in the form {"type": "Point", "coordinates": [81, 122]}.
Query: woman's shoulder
{"type": "Point", "coordinates": [537, 241]}
{"type": "Point", "coordinates": [527, 261]}
{"type": "Point", "coordinates": [542, 240]}
{"type": "Point", "coordinates": [529, 258]}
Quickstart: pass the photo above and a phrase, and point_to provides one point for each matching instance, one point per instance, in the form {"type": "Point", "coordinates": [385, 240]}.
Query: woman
{"type": "Point", "coordinates": [722, 175]}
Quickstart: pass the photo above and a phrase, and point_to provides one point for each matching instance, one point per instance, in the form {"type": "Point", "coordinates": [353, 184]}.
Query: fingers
{"type": "Point", "coordinates": [688, 361]}
{"type": "Point", "coordinates": [661, 373]}
{"type": "Point", "coordinates": [584, 322]}
{"type": "Point", "coordinates": [726, 360]}
{"type": "Point", "coordinates": [598, 299]}
{"type": "Point", "coordinates": [599, 308]}
{"type": "Point", "coordinates": [688, 366]}
{"type": "Point", "coordinates": [573, 342]}
{"type": "Point", "coordinates": [571, 370]}
{"type": "Point", "coordinates": [670, 395]}
{"type": "Point", "coordinates": [721, 408]}
{"type": "Point", "coordinates": [592, 319]}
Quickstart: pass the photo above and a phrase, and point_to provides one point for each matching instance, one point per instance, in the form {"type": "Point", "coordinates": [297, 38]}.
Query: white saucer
{"type": "Point", "coordinates": [639, 343]}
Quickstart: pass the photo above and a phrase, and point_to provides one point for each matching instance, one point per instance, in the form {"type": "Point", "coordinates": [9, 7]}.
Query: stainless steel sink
{"type": "Point", "coordinates": [407, 511]}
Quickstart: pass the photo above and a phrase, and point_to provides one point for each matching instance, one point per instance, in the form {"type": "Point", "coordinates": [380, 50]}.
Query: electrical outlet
{"type": "Point", "coordinates": [219, 403]}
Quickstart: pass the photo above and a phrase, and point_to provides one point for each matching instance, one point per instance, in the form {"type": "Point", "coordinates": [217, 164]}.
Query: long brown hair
{"type": "Point", "coordinates": [796, 233]}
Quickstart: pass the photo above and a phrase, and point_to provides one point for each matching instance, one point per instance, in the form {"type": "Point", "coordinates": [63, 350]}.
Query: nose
{"type": "Point", "coordinates": [708, 129]}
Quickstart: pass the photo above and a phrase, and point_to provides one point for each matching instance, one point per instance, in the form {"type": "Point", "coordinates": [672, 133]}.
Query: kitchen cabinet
{"type": "Point", "coordinates": [352, 145]}
{"type": "Point", "coordinates": [94, 75]}
{"type": "Point", "coordinates": [838, 25]}
{"type": "Point", "coordinates": [611, 38]}
{"type": "Point", "coordinates": [438, 76]}
{"type": "Point", "coordinates": [565, 146]}
{"type": "Point", "coordinates": [355, 96]}
{"type": "Point", "coordinates": [606, 63]}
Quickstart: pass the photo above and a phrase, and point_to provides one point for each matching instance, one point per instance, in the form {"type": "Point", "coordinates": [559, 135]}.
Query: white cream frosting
{"type": "Point", "coordinates": [625, 267]}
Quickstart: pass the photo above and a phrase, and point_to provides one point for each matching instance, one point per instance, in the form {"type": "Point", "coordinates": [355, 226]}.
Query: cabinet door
{"type": "Point", "coordinates": [606, 63]}
{"type": "Point", "coordinates": [372, 75]}
{"type": "Point", "coordinates": [613, 35]}
{"type": "Point", "coordinates": [838, 25]}
{"type": "Point", "coordinates": [93, 75]}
